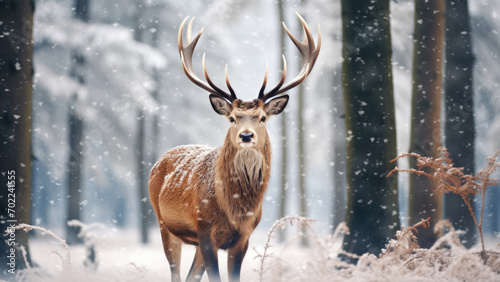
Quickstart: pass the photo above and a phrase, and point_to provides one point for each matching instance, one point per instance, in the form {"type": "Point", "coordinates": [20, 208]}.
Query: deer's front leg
{"type": "Point", "coordinates": [197, 268]}
{"type": "Point", "coordinates": [209, 254]}
{"type": "Point", "coordinates": [235, 259]}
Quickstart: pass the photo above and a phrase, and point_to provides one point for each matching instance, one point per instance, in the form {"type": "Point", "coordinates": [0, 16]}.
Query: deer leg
{"type": "Point", "coordinates": [235, 259]}
{"type": "Point", "coordinates": [172, 248]}
{"type": "Point", "coordinates": [209, 254]}
{"type": "Point", "coordinates": [197, 268]}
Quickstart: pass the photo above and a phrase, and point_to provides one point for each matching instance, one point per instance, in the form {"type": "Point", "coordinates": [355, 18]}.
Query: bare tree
{"type": "Point", "coordinates": [302, 156]}
{"type": "Point", "coordinates": [76, 127]}
{"type": "Point", "coordinates": [140, 140]}
{"type": "Point", "coordinates": [426, 110]}
{"type": "Point", "coordinates": [284, 151]}
{"type": "Point", "coordinates": [339, 162]}
{"type": "Point", "coordinates": [372, 200]}
{"type": "Point", "coordinates": [16, 80]}
{"type": "Point", "coordinates": [459, 109]}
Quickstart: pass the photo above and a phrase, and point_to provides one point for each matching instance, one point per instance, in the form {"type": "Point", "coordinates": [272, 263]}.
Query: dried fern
{"type": "Point", "coordinates": [280, 223]}
{"type": "Point", "coordinates": [450, 239]}
{"type": "Point", "coordinates": [66, 260]}
{"type": "Point", "coordinates": [453, 180]}
{"type": "Point", "coordinates": [406, 241]}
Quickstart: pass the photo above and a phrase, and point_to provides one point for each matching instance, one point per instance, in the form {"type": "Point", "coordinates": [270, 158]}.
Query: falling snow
{"type": "Point", "coordinates": [124, 76]}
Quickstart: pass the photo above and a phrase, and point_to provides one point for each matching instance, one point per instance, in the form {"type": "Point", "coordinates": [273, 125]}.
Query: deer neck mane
{"type": "Point", "coordinates": [246, 168]}
{"type": "Point", "coordinates": [241, 177]}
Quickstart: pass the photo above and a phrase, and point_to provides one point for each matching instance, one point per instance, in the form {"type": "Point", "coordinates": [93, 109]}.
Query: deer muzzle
{"type": "Point", "coordinates": [247, 139]}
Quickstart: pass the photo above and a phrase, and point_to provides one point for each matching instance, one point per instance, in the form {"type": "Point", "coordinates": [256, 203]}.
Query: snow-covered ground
{"type": "Point", "coordinates": [120, 257]}
{"type": "Point", "coordinates": [246, 38]}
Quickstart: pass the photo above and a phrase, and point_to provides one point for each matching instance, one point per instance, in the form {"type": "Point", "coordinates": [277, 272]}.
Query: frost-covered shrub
{"type": "Point", "coordinates": [401, 260]}
{"type": "Point", "coordinates": [453, 180]}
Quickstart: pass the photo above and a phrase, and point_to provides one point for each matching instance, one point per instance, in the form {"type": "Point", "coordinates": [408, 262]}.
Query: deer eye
{"type": "Point", "coordinates": [231, 119]}
{"type": "Point", "coordinates": [263, 119]}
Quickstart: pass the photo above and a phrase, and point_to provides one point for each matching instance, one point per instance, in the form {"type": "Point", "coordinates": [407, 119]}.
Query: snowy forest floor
{"type": "Point", "coordinates": [120, 257]}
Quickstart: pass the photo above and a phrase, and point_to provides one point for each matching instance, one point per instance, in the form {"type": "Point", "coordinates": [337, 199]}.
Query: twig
{"type": "Point", "coordinates": [25, 256]}
{"type": "Point", "coordinates": [454, 180]}
{"type": "Point", "coordinates": [66, 261]}
{"type": "Point", "coordinates": [267, 246]}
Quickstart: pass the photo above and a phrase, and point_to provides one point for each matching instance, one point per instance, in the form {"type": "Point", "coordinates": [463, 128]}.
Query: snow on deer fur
{"type": "Point", "coordinates": [212, 198]}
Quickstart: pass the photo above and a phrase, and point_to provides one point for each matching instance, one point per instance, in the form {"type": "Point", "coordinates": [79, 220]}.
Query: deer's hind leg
{"type": "Point", "coordinates": [172, 246]}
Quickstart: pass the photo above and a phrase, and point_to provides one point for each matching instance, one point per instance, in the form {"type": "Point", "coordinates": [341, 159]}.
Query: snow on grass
{"type": "Point", "coordinates": [120, 257]}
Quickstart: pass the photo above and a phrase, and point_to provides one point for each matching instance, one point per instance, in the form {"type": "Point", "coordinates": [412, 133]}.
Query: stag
{"type": "Point", "coordinates": [212, 197]}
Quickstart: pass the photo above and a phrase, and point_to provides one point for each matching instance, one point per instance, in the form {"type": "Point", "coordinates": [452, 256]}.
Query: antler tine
{"type": "Point", "coordinates": [214, 87]}
{"type": "Point", "coordinates": [263, 96]}
{"type": "Point", "coordinates": [186, 54]}
{"type": "Point", "coordinates": [188, 33]}
{"type": "Point", "coordinates": [263, 87]}
{"type": "Point", "coordinates": [233, 95]}
{"type": "Point", "coordinates": [309, 55]}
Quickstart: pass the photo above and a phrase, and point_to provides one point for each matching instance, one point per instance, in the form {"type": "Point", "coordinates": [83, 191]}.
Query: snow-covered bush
{"type": "Point", "coordinates": [453, 180]}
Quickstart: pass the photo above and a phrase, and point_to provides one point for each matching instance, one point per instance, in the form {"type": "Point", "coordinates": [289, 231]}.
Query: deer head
{"type": "Point", "coordinates": [248, 118]}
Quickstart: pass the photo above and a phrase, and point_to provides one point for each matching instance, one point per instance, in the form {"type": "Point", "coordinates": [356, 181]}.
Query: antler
{"type": "Point", "coordinates": [309, 55]}
{"type": "Point", "coordinates": [186, 53]}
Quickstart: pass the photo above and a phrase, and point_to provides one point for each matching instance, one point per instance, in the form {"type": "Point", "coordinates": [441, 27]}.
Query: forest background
{"type": "Point", "coordinates": [109, 98]}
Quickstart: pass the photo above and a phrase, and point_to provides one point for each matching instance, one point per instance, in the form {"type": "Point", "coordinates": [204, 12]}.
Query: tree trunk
{"type": "Point", "coordinates": [76, 126]}
{"type": "Point", "coordinates": [493, 208]}
{"type": "Point", "coordinates": [302, 156]}
{"type": "Point", "coordinates": [74, 167]}
{"type": "Point", "coordinates": [372, 199]}
{"type": "Point", "coordinates": [459, 110]}
{"type": "Point", "coordinates": [140, 143]}
{"type": "Point", "coordinates": [16, 80]}
{"type": "Point", "coordinates": [302, 161]}
{"type": "Point", "coordinates": [155, 132]}
{"type": "Point", "coordinates": [284, 151]}
{"type": "Point", "coordinates": [339, 162]}
{"type": "Point", "coordinates": [142, 177]}
{"type": "Point", "coordinates": [426, 111]}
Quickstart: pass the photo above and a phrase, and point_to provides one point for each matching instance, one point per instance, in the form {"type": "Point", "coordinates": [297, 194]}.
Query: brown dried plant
{"type": "Point", "coordinates": [279, 224]}
{"type": "Point", "coordinates": [453, 180]}
{"type": "Point", "coordinates": [450, 239]}
{"type": "Point", "coordinates": [406, 241]}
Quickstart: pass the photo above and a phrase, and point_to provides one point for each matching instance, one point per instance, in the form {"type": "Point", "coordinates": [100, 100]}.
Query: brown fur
{"type": "Point", "coordinates": [243, 183]}
{"type": "Point", "coordinates": [216, 194]}
{"type": "Point", "coordinates": [212, 197]}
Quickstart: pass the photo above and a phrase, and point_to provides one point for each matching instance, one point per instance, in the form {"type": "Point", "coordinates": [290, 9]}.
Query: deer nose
{"type": "Point", "coordinates": [246, 136]}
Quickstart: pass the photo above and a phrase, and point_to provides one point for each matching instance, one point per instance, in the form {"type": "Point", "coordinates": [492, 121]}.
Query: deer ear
{"type": "Point", "coordinates": [220, 105]}
{"type": "Point", "coordinates": [277, 105]}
